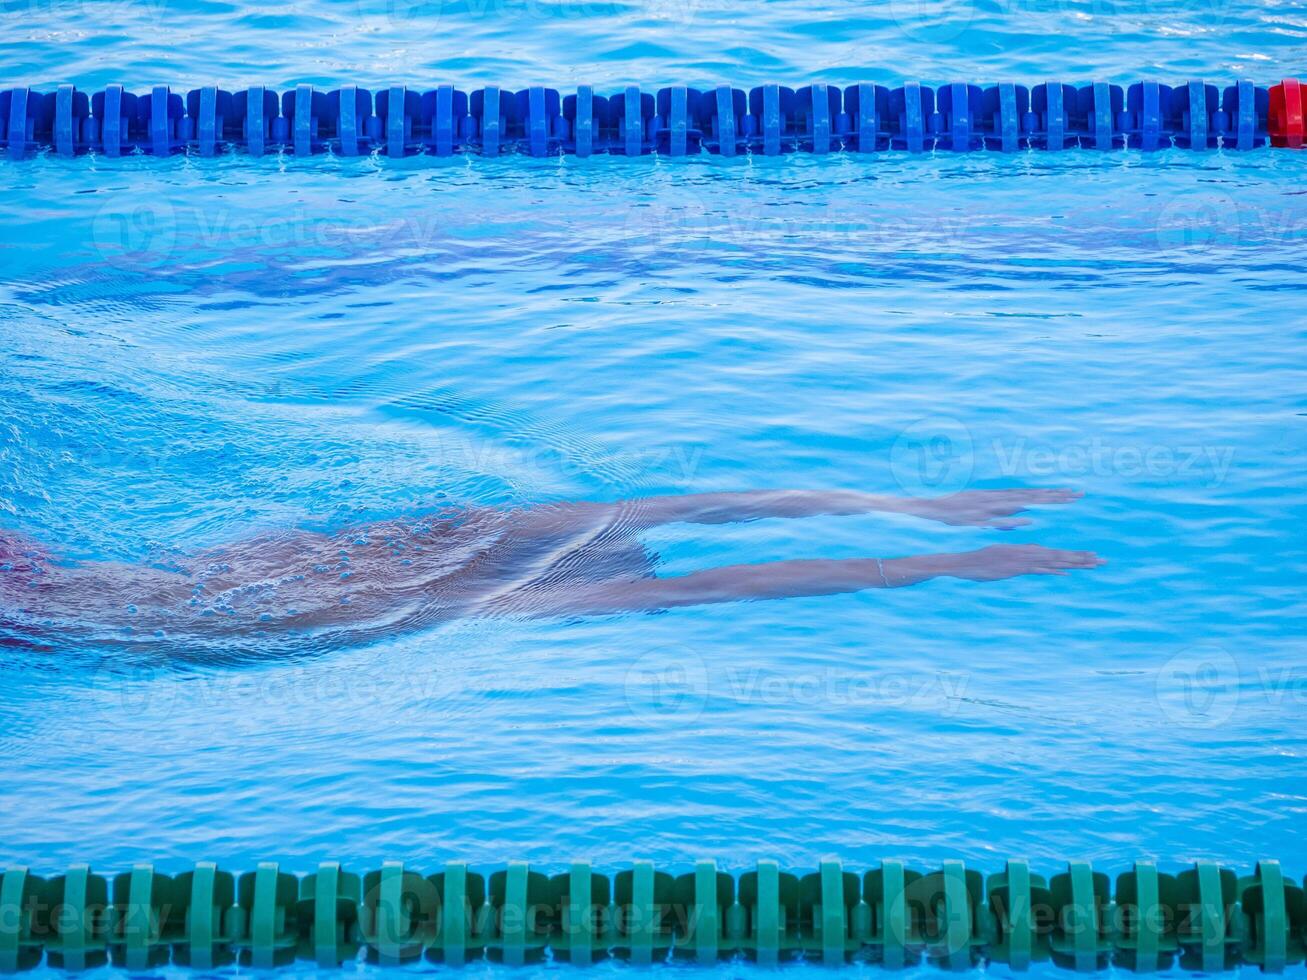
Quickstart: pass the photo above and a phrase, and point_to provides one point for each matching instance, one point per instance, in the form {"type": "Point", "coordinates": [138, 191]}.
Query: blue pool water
{"type": "Point", "coordinates": [193, 352]}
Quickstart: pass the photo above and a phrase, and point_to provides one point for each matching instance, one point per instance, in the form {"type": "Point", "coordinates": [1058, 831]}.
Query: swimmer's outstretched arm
{"type": "Point", "coordinates": [785, 579]}
{"type": "Point", "coordinates": [979, 508]}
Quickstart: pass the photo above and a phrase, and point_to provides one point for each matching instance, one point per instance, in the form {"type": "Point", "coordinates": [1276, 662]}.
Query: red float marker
{"type": "Point", "coordinates": [1284, 120]}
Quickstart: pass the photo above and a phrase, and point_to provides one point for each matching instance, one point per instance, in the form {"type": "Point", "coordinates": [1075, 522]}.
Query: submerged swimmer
{"type": "Point", "coordinates": [276, 591]}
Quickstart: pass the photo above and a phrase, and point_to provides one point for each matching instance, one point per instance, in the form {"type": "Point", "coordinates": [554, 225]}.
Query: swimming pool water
{"type": "Point", "coordinates": [193, 351]}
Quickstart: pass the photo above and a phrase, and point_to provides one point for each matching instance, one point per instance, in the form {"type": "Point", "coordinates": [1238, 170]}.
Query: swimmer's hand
{"type": "Point", "coordinates": [1002, 561]}
{"type": "Point", "coordinates": [988, 508]}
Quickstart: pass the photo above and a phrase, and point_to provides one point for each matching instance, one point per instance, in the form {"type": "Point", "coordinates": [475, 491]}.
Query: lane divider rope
{"type": "Point", "coordinates": [1203, 917]}
{"type": "Point", "coordinates": [678, 121]}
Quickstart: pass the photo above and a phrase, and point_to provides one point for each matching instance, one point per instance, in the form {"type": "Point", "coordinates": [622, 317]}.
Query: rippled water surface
{"type": "Point", "coordinates": [198, 351]}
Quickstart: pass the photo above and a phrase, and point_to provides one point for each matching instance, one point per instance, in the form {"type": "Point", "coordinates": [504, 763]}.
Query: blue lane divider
{"type": "Point", "coordinates": [678, 121]}
{"type": "Point", "coordinates": [960, 107]}
{"type": "Point", "coordinates": [397, 108]}
{"type": "Point", "coordinates": [1144, 113]}
{"type": "Point", "coordinates": [163, 118]}
{"type": "Point", "coordinates": [631, 120]}
{"type": "Point", "coordinates": [446, 121]}
{"type": "Point", "coordinates": [865, 106]}
{"type": "Point", "coordinates": [579, 114]}
{"type": "Point", "coordinates": [725, 122]}
{"type": "Point", "coordinates": [819, 108]}
{"type": "Point", "coordinates": [914, 105]}
{"type": "Point", "coordinates": [71, 109]}
{"type": "Point", "coordinates": [17, 108]}
{"type": "Point", "coordinates": [765, 106]}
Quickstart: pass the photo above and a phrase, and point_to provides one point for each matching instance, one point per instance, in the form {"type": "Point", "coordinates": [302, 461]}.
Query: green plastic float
{"type": "Point", "coordinates": [1203, 918]}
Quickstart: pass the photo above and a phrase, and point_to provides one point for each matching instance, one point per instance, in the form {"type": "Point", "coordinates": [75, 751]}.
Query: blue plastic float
{"type": "Point", "coordinates": [678, 121]}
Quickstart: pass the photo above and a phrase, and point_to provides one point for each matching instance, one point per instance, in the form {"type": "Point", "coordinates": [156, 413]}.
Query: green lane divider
{"type": "Point", "coordinates": [1202, 918]}
{"type": "Point", "coordinates": [462, 899]}
{"type": "Point", "coordinates": [18, 949]}
{"type": "Point", "coordinates": [205, 938]}
{"type": "Point", "coordinates": [587, 926]}
{"type": "Point", "coordinates": [1013, 896]}
{"type": "Point", "coordinates": [77, 906]}
{"type": "Point", "coordinates": [139, 918]}
{"type": "Point", "coordinates": [397, 914]}
{"type": "Point", "coordinates": [707, 895]}
{"type": "Point", "coordinates": [769, 902]}
{"type": "Point", "coordinates": [1147, 933]}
